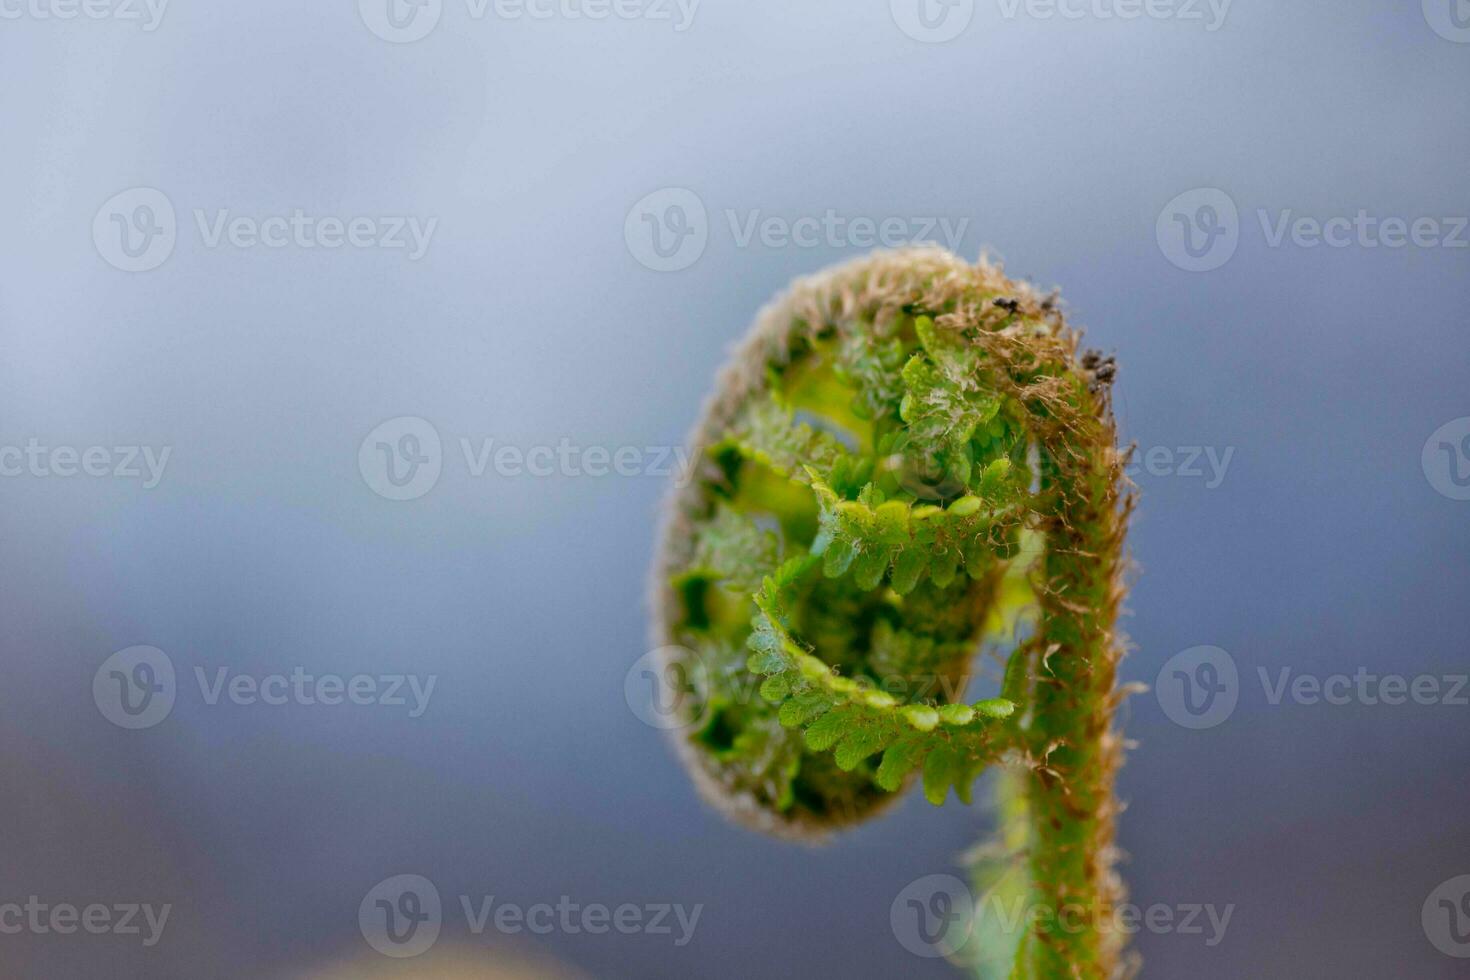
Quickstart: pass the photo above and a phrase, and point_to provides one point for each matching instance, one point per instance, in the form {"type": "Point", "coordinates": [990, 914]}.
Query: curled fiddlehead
{"type": "Point", "coordinates": [905, 448]}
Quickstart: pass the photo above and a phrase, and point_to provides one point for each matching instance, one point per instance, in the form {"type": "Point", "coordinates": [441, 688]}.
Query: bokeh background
{"type": "Point", "coordinates": [1327, 546]}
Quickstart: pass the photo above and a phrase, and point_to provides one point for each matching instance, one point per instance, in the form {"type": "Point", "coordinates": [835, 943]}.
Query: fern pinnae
{"type": "Point", "coordinates": [904, 447]}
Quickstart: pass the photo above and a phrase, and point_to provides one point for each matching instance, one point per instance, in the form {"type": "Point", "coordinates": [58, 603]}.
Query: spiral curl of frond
{"type": "Point", "coordinates": [905, 451]}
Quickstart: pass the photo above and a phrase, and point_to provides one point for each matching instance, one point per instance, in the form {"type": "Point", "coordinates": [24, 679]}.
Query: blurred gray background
{"type": "Point", "coordinates": [1328, 545]}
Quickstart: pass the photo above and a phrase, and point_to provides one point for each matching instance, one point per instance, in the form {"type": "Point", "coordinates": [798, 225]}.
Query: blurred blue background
{"type": "Point", "coordinates": [530, 319]}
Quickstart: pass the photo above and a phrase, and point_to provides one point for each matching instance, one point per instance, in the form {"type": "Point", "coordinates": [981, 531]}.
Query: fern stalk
{"type": "Point", "coordinates": [908, 454]}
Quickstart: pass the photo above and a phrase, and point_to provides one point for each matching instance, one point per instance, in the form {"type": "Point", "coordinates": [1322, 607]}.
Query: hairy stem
{"type": "Point", "coordinates": [1071, 790]}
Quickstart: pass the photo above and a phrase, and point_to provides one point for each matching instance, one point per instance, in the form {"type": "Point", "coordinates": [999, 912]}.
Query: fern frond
{"type": "Point", "coordinates": [905, 445]}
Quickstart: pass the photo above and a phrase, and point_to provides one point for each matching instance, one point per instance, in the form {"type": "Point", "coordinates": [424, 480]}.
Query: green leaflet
{"type": "Point", "coordinates": [768, 434]}
{"type": "Point", "coordinates": [857, 720]}
{"type": "Point", "coordinates": [874, 536]}
{"type": "Point", "coordinates": [732, 548]}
